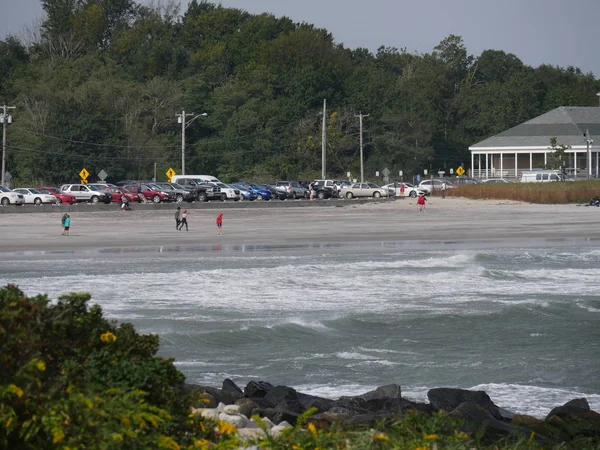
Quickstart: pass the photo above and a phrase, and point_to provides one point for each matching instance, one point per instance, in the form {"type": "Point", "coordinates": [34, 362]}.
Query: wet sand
{"type": "Point", "coordinates": [476, 223]}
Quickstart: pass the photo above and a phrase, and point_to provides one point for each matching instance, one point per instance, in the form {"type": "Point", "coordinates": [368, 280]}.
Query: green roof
{"type": "Point", "coordinates": [566, 123]}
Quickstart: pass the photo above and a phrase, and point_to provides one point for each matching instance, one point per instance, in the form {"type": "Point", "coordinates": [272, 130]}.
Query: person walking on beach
{"type": "Point", "coordinates": [443, 189]}
{"type": "Point", "coordinates": [220, 223]}
{"type": "Point", "coordinates": [63, 221]}
{"type": "Point", "coordinates": [421, 202]}
{"type": "Point", "coordinates": [67, 225]}
{"type": "Point", "coordinates": [183, 220]}
{"type": "Point", "coordinates": [177, 217]}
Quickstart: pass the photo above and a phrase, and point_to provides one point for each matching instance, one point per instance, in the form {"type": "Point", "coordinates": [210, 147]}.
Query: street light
{"type": "Point", "coordinates": [181, 118]}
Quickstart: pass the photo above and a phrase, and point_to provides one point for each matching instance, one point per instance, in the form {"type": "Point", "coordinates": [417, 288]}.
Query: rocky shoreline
{"type": "Point", "coordinates": [281, 406]}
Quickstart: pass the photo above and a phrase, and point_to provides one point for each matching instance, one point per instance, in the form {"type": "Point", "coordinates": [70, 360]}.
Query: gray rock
{"type": "Point", "coordinates": [257, 389]}
{"type": "Point", "coordinates": [448, 399]}
{"type": "Point", "coordinates": [232, 389]}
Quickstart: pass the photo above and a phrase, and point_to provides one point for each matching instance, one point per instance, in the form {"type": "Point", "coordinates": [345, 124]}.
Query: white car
{"type": "Point", "coordinates": [434, 184]}
{"type": "Point", "coordinates": [409, 190]}
{"type": "Point", "coordinates": [495, 180]}
{"type": "Point", "coordinates": [35, 197]}
{"type": "Point", "coordinates": [8, 197]}
{"type": "Point", "coordinates": [227, 192]}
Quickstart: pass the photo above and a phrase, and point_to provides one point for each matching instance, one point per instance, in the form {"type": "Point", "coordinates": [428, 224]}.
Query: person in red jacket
{"type": "Point", "coordinates": [220, 223]}
{"type": "Point", "coordinates": [421, 202]}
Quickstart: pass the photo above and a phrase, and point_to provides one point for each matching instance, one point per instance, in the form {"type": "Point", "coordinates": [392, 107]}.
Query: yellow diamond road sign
{"type": "Point", "coordinates": [84, 173]}
{"type": "Point", "coordinates": [460, 171]}
{"type": "Point", "coordinates": [169, 173]}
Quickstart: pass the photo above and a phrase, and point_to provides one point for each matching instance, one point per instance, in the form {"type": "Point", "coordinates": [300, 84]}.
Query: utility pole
{"type": "Point", "coordinates": [5, 118]}
{"type": "Point", "coordinates": [181, 118]}
{"type": "Point", "coordinates": [589, 142]}
{"type": "Point", "coordinates": [360, 119]}
{"type": "Point", "coordinates": [324, 141]}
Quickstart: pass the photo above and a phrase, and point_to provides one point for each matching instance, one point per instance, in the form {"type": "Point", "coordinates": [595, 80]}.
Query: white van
{"type": "Point", "coordinates": [542, 176]}
{"type": "Point", "coordinates": [197, 178]}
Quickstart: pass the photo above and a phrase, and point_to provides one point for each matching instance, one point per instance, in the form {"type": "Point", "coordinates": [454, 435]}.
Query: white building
{"type": "Point", "coordinates": [527, 146]}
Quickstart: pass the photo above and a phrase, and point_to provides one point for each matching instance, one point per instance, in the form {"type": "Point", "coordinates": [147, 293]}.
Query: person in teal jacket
{"type": "Point", "coordinates": [67, 225]}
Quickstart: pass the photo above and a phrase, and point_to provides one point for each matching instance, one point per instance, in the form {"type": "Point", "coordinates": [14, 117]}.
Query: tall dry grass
{"type": "Point", "coordinates": [550, 193]}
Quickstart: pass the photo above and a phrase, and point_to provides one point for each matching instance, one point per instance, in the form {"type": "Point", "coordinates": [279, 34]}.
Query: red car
{"type": "Point", "coordinates": [61, 196]}
{"type": "Point", "coordinates": [117, 192]}
{"type": "Point", "coordinates": [150, 193]}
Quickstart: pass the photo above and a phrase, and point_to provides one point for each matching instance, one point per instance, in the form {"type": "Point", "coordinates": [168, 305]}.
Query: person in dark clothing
{"type": "Point", "coordinates": [177, 217]}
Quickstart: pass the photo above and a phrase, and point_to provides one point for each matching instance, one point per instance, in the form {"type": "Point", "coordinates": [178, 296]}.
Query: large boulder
{"type": "Point", "coordinates": [387, 391]}
{"type": "Point", "coordinates": [311, 401]}
{"type": "Point", "coordinates": [449, 399]}
{"type": "Point", "coordinates": [232, 389]}
{"type": "Point", "coordinates": [280, 393]}
{"type": "Point", "coordinates": [257, 389]}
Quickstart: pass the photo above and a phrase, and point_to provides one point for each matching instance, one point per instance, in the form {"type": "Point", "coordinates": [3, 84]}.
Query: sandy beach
{"type": "Point", "coordinates": [473, 222]}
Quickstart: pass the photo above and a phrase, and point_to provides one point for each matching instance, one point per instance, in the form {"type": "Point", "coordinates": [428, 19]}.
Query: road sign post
{"type": "Point", "coordinates": [170, 174]}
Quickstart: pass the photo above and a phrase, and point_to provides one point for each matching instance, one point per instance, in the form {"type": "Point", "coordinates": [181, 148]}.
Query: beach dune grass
{"type": "Point", "coordinates": [547, 193]}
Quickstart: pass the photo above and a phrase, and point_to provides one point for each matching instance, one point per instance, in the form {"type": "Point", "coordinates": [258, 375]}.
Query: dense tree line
{"type": "Point", "coordinates": [98, 83]}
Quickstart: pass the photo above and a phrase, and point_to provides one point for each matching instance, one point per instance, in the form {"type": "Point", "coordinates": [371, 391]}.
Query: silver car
{"type": "Point", "coordinates": [364, 190]}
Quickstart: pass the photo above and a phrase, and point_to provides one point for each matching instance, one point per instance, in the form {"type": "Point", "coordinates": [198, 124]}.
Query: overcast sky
{"type": "Point", "coordinates": [557, 32]}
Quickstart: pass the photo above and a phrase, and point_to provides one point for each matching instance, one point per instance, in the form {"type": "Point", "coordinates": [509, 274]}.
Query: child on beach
{"type": "Point", "coordinates": [62, 221]}
{"type": "Point", "coordinates": [183, 221]}
{"type": "Point", "coordinates": [421, 202]}
{"type": "Point", "coordinates": [220, 223]}
{"type": "Point", "coordinates": [67, 225]}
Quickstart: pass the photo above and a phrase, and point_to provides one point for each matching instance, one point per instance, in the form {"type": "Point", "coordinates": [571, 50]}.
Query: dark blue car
{"type": "Point", "coordinates": [246, 192]}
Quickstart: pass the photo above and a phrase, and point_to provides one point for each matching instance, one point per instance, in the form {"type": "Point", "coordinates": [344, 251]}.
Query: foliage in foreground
{"type": "Point", "coordinates": [71, 379]}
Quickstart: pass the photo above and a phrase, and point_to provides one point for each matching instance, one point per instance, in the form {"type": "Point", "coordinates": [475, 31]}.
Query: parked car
{"type": "Point", "coordinates": [409, 190]}
{"type": "Point", "coordinates": [462, 180]}
{"type": "Point", "coordinates": [261, 193]}
{"type": "Point", "coordinates": [203, 192]}
{"type": "Point", "coordinates": [8, 197]}
{"type": "Point", "coordinates": [61, 197]}
{"type": "Point", "coordinates": [35, 197]}
{"type": "Point", "coordinates": [293, 188]}
{"type": "Point", "coordinates": [325, 188]}
{"type": "Point", "coordinates": [542, 176]}
{"type": "Point", "coordinates": [227, 192]}
{"type": "Point", "coordinates": [275, 193]}
{"type": "Point", "coordinates": [364, 190]}
{"type": "Point", "coordinates": [181, 193]}
{"type": "Point", "coordinates": [434, 184]}
{"type": "Point", "coordinates": [496, 180]}
{"type": "Point", "coordinates": [115, 192]}
{"type": "Point", "coordinates": [246, 193]}
{"type": "Point", "coordinates": [85, 193]}
{"type": "Point", "coordinates": [150, 193]}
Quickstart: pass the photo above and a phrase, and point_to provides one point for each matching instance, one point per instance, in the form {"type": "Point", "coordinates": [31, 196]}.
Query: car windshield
{"type": "Point", "coordinates": [94, 188]}
{"type": "Point", "coordinates": [176, 186]}
{"type": "Point", "coordinates": [167, 187]}
{"type": "Point", "coordinates": [222, 185]}
{"type": "Point", "coordinates": [34, 191]}
{"type": "Point", "coordinates": [4, 189]}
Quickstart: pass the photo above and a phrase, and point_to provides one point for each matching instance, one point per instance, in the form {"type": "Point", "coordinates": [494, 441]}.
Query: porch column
{"type": "Point", "coordinates": [575, 165]}
{"type": "Point", "coordinates": [530, 161]}
{"type": "Point", "coordinates": [479, 163]}
{"type": "Point", "coordinates": [487, 170]}
{"type": "Point", "coordinates": [472, 163]}
{"type": "Point", "coordinates": [545, 159]}
{"type": "Point", "coordinates": [501, 165]}
{"type": "Point", "coordinates": [516, 166]}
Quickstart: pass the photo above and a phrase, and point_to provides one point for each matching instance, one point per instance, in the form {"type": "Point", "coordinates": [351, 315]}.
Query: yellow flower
{"type": "Point", "coordinates": [226, 428]}
{"type": "Point", "coordinates": [41, 366]}
{"type": "Point", "coordinates": [313, 430]}
{"type": "Point", "coordinates": [117, 437]}
{"type": "Point", "coordinates": [168, 443]}
{"type": "Point", "coordinates": [108, 337]}
{"type": "Point", "coordinates": [531, 437]}
{"type": "Point", "coordinates": [429, 437]}
{"type": "Point", "coordinates": [296, 447]}
{"type": "Point", "coordinates": [57, 435]}
{"type": "Point", "coordinates": [462, 435]}
{"type": "Point", "coordinates": [126, 421]}
{"type": "Point", "coordinates": [202, 443]}
{"type": "Point", "coordinates": [381, 437]}
{"type": "Point", "coordinates": [421, 448]}
{"type": "Point", "coordinates": [15, 390]}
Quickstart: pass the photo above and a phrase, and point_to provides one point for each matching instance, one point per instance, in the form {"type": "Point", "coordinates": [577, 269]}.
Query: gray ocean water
{"type": "Point", "coordinates": [523, 324]}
